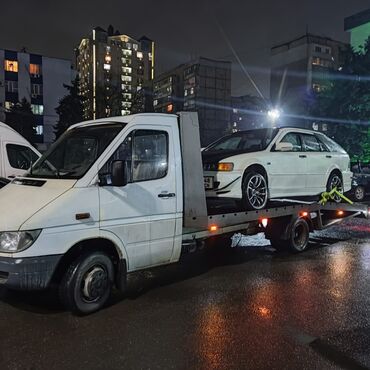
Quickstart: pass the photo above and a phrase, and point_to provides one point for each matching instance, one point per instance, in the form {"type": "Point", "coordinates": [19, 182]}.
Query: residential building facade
{"type": "Point", "coordinates": [38, 79]}
{"type": "Point", "coordinates": [358, 25]}
{"type": "Point", "coordinates": [301, 67]}
{"type": "Point", "coordinates": [202, 85]}
{"type": "Point", "coordinates": [113, 69]}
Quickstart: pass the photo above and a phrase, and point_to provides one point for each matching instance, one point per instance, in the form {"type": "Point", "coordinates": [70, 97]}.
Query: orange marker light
{"type": "Point", "coordinates": [264, 222]}
{"type": "Point", "coordinates": [213, 228]}
{"type": "Point", "coordinates": [225, 166]}
{"type": "Point", "coordinates": [340, 213]}
{"type": "Point", "coordinates": [304, 214]}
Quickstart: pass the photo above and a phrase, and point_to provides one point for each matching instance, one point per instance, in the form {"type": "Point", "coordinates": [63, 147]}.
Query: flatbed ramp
{"type": "Point", "coordinates": [318, 216]}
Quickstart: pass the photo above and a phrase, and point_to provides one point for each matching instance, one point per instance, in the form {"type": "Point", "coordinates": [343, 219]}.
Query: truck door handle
{"type": "Point", "coordinates": [166, 195]}
{"type": "Point", "coordinates": [303, 156]}
{"type": "Point", "coordinates": [328, 156]}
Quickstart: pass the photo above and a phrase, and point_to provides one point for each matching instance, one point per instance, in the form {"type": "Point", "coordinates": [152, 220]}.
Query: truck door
{"type": "Point", "coordinates": [143, 212]}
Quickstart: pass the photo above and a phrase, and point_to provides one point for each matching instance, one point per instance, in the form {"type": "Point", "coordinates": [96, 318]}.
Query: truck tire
{"type": "Point", "coordinates": [87, 283]}
{"type": "Point", "coordinates": [298, 237]}
{"type": "Point", "coordinates": [254, 191]}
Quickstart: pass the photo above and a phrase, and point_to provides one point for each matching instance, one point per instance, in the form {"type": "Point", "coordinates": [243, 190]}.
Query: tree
{"type": "Point", "coordinates": [21, 118]}
{"type": "Point", "coordinates": [345, 104]}
{"type": "Point", "coordinates": [70, 109]}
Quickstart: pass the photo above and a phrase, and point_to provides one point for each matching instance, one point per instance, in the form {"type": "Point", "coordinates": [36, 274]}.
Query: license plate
{"type": "Point", "coordinates": [208, 182]}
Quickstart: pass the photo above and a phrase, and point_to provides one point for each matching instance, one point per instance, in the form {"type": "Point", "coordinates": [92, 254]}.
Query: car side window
{"type": "Point", "coordinates": [310, 143]}
{"type": "Point", "coordinates": [293, 139]}
{"type": "Point", "coordinates": [146, 156]}
{"type": "Point", "coordinates": [20, 157]}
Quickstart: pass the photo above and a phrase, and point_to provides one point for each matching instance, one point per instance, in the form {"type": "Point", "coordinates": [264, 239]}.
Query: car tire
{"type": "Point", "coordinates": [254, 191]}
{"type": "Point", "coordinates": [335, 181]}
{"type": "Point", "coordinates": [86, 285]}
{"type": "Point", "coordinates": [359, 193]}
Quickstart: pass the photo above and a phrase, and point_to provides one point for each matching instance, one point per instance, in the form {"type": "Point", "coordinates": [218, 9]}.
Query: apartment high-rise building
{"type": "Point", "coordinates": [38, 79]}
{"type": "Point", "coordinates": [202, 85]}
{"type": "Point", "coordinates": [113, 70]}
{"type": "Point", "coordinates": [359, 27]}
{"type": "Point", "coordinates": [299, 68]}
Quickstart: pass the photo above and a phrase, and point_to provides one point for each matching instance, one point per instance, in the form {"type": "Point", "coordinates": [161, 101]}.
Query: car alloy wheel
{"type": "Point", "coordinates": [335, 181]}
{"type": "Point", "coordinates": [255, 191]}
{"type": "Point", "coordinates": [360, 193]}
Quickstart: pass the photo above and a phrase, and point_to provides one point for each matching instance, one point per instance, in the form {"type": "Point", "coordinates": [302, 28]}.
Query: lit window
{"type": "Point", "coordinates": [37, 109]}
{"type": "Point", "coordinates": [192, 91]}
{"type": "Point", "coordinates": [124, 112]}
{"type": "Point", "coordinates": [128, 45]}
{"type": "Point", "coordinates": [35, 69]}
{"type": "Point", "coordinates": [135, 47]}
{"type": "Point", "coordinates": [138, 88]}
{"type": "Point", "coordinates": [127, 96]}
{"type": "Point", "coordinates": [39, 130]}
{"type": "Point", "coordinates": [126, 69]}
{"type": "Point", "coordinates": [169, 108]}
{"type": "Point", "coordinates": [107, 67]}
{"type": "Point", "coordinates": [155, 103]}
{"type": "Point", "coordinates": [11, 65]}
{"type": "Point", "coordinates": [107, 49]}
{"type": "Point", "coordinates": [186, 93]}
{"type": "Point", "coordinates": [139, 54]}
{"type": "Point", "coordinates": [150, 56]}
{"type": "Point", "coordinates": [108, 58]}
{"type": "Point", "coordinates": [126, 78]}
{"type": "Point", "coordinates": [8, 105]}
{"type": "Point", "coordinates": [126, 52]}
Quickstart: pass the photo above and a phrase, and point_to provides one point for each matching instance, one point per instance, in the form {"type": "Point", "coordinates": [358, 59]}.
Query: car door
{"type": "Point", "coordinates": [143, 212]}
{"type": "Point", "coordinates": [18, 159]}
{"type": "Point", "coordinates": [287, 170]}
{"type": "Point", "coordinates": [317, 164]}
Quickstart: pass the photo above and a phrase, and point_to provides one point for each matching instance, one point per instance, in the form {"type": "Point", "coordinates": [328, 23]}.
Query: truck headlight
{"type": "Point", "coordinates": [17, 241]}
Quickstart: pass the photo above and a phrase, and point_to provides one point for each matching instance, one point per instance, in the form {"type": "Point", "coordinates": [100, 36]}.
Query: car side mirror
{"type": "Point", "coordinates": [119, 173]}
{"type": "Point", "coordinates": [284, 147]}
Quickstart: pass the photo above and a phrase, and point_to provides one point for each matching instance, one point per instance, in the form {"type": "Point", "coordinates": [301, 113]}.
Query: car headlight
{"type": "Point", "coordinates": [17, 241]}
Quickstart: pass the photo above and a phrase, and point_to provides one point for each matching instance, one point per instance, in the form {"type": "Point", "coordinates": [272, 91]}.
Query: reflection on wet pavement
{"type": "Point", "coordinates": [231, 309]}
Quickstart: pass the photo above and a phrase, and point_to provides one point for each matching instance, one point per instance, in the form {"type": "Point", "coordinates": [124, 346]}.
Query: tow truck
{"type": "Point", "coordinates": [119, 195]}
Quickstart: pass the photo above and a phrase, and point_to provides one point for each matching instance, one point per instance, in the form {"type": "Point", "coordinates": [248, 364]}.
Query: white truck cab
{"type": "Point", "coordinates": [122, 194]}
{"type": "Point", "coordinates": [16, 153]}
{"type": "Point", "coordinates": [106, 197]}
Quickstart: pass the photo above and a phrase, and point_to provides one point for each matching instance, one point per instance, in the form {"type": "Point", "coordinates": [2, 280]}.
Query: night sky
{"type": "Point", "coordinates": [181, 29]}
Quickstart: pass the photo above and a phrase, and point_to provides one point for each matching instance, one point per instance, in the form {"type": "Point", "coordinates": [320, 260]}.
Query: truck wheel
{"type": "Point", "coordinates": [87, 283]}
{"type": "Point", "coordinates": [299, 236]}
{"type": "Point", "coordinates": [359, 193]}
{"type": "Point", "coordinates": [254, 191]}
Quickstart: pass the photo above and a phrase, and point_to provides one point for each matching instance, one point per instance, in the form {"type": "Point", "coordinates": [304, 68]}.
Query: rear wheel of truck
{"type": "Point", "coordinates": [298, 237]}
{"type": "Point", "coordinates": [86, 285]}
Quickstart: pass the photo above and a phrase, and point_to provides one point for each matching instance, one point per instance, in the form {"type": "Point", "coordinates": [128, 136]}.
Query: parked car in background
{"type": "Point", "coordinates": [257, 165]}
{"type": "Point", "coordinates": [360, 182]}
{"type": "Point", "coordinates": [16, 153]}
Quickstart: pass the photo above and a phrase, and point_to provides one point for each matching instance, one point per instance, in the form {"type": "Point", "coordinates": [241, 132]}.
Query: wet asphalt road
{"type": "Point", "coordinates": [249, 308]}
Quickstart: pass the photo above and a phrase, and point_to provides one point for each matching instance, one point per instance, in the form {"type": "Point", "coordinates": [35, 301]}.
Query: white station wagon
{"type": "Point", "coordinates": [257, 165]}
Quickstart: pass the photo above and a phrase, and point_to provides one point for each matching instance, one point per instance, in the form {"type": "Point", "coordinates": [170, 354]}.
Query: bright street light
{"type": "Point", "coordinates": [274, 114]}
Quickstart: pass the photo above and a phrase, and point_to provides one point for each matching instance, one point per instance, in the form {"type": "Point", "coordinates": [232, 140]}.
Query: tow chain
{"type": "Point", "coordinates": [329, 195]}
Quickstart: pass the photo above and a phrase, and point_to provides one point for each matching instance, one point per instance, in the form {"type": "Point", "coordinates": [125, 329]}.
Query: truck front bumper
{"type": "Point", "coordinates": [31, 273]}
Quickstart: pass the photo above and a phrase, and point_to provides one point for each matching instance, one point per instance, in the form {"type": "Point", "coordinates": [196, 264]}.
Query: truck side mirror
{"type": "Point", "coordinates": [119, 173]}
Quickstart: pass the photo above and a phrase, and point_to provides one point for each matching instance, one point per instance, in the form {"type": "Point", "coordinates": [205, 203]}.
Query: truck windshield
{"type": "Point", "coordinates": [245, 141]}
{"type": "Point", "coordinates": [75, 152]}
